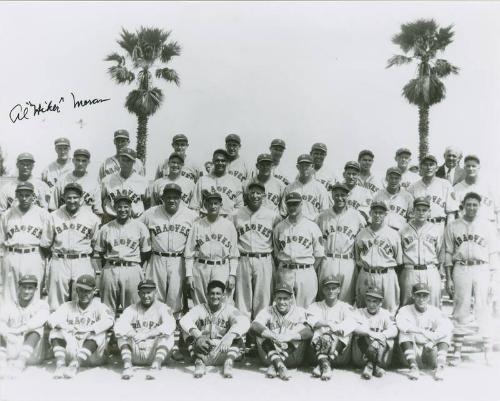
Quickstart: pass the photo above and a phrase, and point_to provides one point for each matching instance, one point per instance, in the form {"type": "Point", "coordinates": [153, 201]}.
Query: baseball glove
{"type": "Point", "coordinates": [324, 344]}
{"type": "Point", "coordinates": [203, 345]}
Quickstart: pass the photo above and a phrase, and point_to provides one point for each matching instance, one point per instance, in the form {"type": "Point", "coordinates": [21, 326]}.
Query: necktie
{"type": "Point", "coordinates": [448, 174]}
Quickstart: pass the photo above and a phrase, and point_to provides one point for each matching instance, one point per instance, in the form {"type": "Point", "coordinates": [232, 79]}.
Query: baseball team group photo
{"type": "Point", "coordinates": [141, 242]}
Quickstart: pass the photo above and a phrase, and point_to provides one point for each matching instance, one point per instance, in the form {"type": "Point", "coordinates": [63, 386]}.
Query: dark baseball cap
{"type": "Point", "coordinates": [128, 152]}
{"type": "Point", "coordinates": [216, 284]}
{"type": "Point", "coordinates": [234, 138]}
{"type": "Point", "coordinates": [421, 201]}
{"type": "Point", "coordinates": [319, 146]}
{"type": "Point", "coordinates": [393, 170]}
{"type": "Point", "coordinates": [172, 187]}
{"type": "Point", "coordinates": [378, 204]}
{"type": "Point", "coordinates": [264, 157]}
{"type": "Point", "coordinates": [428, 158]}
{"type": "Point", "coordinates": [339, 186]}
{"type": "Point", "coordinates": [279, 143]}
{"type": "Point", "coordinates": [352, 165]}
{"type": "Point", "coordinates": [73, 186]}
{"type": "Point", "coordinates": [305, 158]}
{"type": "Point", "coordinates": [179, 137]}
{"type": "Point", "coordinates": [293, 197]}
{"type": "Point", "coordinates": [25, 156]}
{"type": "Point", "coordinates": [62, 141]}
{"type": "Point", "coordinates": [401, 151]}
{"type": "Point", "coordinates": [331, 279]}
{"type": "Point", "coordinates": [420, 288]}
{"type": "Point", "coordinates": [25, 185]}
{"type": "Point", "coordinates": [211, 195]}
{"type": "Point", "coordinates": [176, 155]}
{"type": "Point", "coordinates": [472, 157]}
{"type": "Point", "coordinates": [86, 282]}
{"type": "Point", "coordinates": [365, 152]}
{"type": "Point", "coordinates": [121, 197]}
{"type": "Point", "coordinates": [283, 287]}
{"type": "Point", "coordinates": [221, 152]}
{"type": "Point", "coordinates": [28, 279]}
{"type": "Point", "coordinates": [81, 152]}
{"type": "Point", "coordinates": [255, 183]}
{"type": "Point", "coordinates": [147, 283]}
{"type": "Point", "coordinates": [374, 291]}
{"type": "Point", "coordinates": [122, 133]}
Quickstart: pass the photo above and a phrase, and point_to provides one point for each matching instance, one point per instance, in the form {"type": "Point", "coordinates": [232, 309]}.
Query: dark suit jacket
{"type": "Point", "coordinates": [459, 174]}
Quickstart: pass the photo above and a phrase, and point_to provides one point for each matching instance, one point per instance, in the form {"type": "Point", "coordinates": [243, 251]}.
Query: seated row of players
{"type": "Point", "coordinates": [329, 333]}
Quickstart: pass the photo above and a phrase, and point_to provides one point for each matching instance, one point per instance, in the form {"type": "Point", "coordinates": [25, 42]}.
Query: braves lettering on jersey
{"type": "Point", "coordinates": [400, 206]}
{"type": "Point", "coordinates": [339, 230]}
{"type": "Point", "coordinates": [280, 173]}
{"type": "Point", "coordinates": [155, 190]}
{"type": "Point", "coordinates": [341, 314]}
{"type": "Point", "coordinates": [229, 187]}
{"type": "Point", "coordinates": [278, 323]}
{"type": "Point", "coordinates": [189, 170]}
{"type": "Point", "coordinates": [433, 319]}
{"type": "Point", "coordinates": [380, 248]}
{"type": "Point", "coordinates": [360, 198]}
{"type": "Point", "coordinates": [371, 182]}
{"type": "Point", "coordinates": [440, 194]}
{"type": "Point", "coordinates": [239, 169]}
{"type": "Point", "coordinates": [408, 178]}
{"type": "Point", "coordinates": [326, 177]}
{"type": "Point", "coordinates": [55, 171]}
{"type": "Point", "coordinates": [8, 193]}
{"type": "Point", "coordinates": [138, 319]}
{"type": "Point", "coordinates": [490, 203]}
{"type": "Point", "coordinates": [314, 198]}
{"type": "Point", "coordinates": [422, 246]}
{"type": "Point", "coordinates": [112, 166]}
{"type": "Point", "coordinates": [91, 192]}
{"type": "Point", "coordinates": [274, 192]}
{"type": "Point", "coordinates": [255, 229]}
{"type": "Point", "coordinates": [33, 316]}
{"type": "Point", "coordinates": [134, 187]}
{"type": "Point", "coordinates": [380, 322]}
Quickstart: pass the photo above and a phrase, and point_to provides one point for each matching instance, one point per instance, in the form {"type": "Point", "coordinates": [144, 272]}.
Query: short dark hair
{"type": "Point", "coordinates": [472, 195]}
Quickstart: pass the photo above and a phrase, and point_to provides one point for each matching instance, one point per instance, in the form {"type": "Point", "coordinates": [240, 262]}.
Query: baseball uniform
{"type": "Point", "coordinates": [156, 320]}
{"type": "Point", "coordinates": [408, 178]}
{"type": "Point", "coordinates": [399, 204]}
{"type": "Point", "coordinates": [378, 253]}
{"type": "Point", "coordinates": [239, 169]}
{"type": "Point", "coordinates": [169, 235]}
{"type": "Point", "coordinates": [211, 253]}
{"type": "Point", "coordinates": [122, 245]}
{"type": "Point", "coordinates": [189, 170]}
{"type": "Point", "coordinates": [339, 232]}
{"type": "Point", "coordinates": [371, 183]}
{"type": "Point", "coordinates": [155, 190]}
{"type": "Point", "coordinates": [8, 193]}
{"type": "Point", "coordinates": [360, 198]}
{"type": "Point", "coordinates": [134, 186]}
{"type": "Point", "coordinates": [70, 238]}
{"type": "Point", "coordinates": [326, 177]}
{"type": "Point", "coordinates": [440, 194]}
{"type": "Point", "coordinates": [314, 198]}
{"type": "Point", "coordinates": [55, 171]}
{"type": "Point", "coordinates": [296, 246]}
{"type": "Point", "coordinates": [256, 266]}
{"type": "Point", "coordinates": [112, 166]}
{"type": "Point", "coordinates": [280, 173]}
{"type": "Point", "coordinates": [275, 190]}
{"type": "Point", "coordinates": [490, 202]}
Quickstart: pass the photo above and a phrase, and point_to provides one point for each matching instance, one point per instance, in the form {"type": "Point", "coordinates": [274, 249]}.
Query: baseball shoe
{"type": "Point", "coordinates": [367, 371]}
{"type": "Point", "coordinates": [414, 373]}
{"type": "Point", "coordinates": [326, 371]}
{"type": "Point", "coordinates": [59, 372]}
{"type": "Point", "coordinates": [378, 371]}
{"type": "Point", "coordinates": [317, 371]}
{"type": "Point", "coordinates": [155, 368]}
{"type": "Point", "coordinates": [439, 373]}
{"type": "Point", "coordinates": [227, 371]}
{"type": "Point", "coordinates": [283, 373]}
{"type": "Point", "coordinates": [199, 369]}
{"type": "Point", "coordinates": [127, 373]}
{"type": "Point", "coordinates": [71, 370]}
{"type": "Point", "coordinates": [271, 372]}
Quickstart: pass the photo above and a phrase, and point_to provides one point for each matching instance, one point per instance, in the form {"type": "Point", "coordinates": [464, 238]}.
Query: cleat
{"type": "Point", "coordinates": [367, 371]}
{"type": "Point", "coordinates": [317, 371]}
{"type": "Point", "coordinates": [283, 373]}
{"type": "Point", "coordinates": [414, 373]}
{"type": "Point", "coordinates": [271, 372]}
{"type": "Point", "coordinates": [199, 369]}
{"type": "Point", "coordinates": [228, 369]}
{"type": "Point", "coordinates": [327, 371]}
{"type": "Point", "coordinates": [59, 372]}
{"type": "Point", "coordinates": [71, 370]}
{"type": "Point", "coordinates": [378, 371]}
{"type": "Point", "coordinates": [127, 373]}
{"type": "Point", "coordinates": [439, 373]}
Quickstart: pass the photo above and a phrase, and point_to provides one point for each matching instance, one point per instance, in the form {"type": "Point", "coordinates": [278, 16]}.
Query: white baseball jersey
{"type": "Point", "coordinates": [112, 166]}
{"type": "Point", "coordinates": [228, 186]}
{"type": "Point", "coordinates": [169, 233]}
{"type": "Point", "coordinates": [255, 229]}
{"type": "Point", "coordinates": [91, 192]}
{"type": "Point", "coordinates": [341, 314]}
{"type": "Point", "coordinates": [293, 321]}
{"type": "Point", "coordinates": [123, 242]}
{"type": "Point", "coordinates": [422, 246]}
{"type": "Point", "coordinates": [97, 316]}
{"type": "Point", "coordinates": [138, 319]}
{"type": "Point", "coordinates": [215, 324]}
{"type": "Point", "coordinates": [360, 199]}
{"type": "Point", "coordinates": [433, 319]}
{"type": "Point", "coordinates": [440, 194]}
{"type": "Point", "coordinates": [34, 315]}
{"type": "Point", "coordinates": [326, 176]}
{"type": "Point", "coordinates": [380, 322]}
{"type": "Point", "coordinates": [298, 243]}
{"type": "Point", "coordinates": [467, 241]}
{"type": "Point", "coordinates": [380, 248]}
{"type": "Point", "coordinates": [274, 192]}
{"type": "Point", "coordinates": [8, 193]}
{"type": "Point", "coordinates": [408, 178]}
{"type": "Point", "coordinates": [339, 230]}
{"type": "Point", "coordinates": [55, 171]}
{"type": "Point", "coordinates": [314, 198]}
{"type": "Point", "coordinates": [400, 206]}
{"type": "Point", "coordinates": [280, 173]}
{"type": "Point", "coordinates": [155, 190]}
{"type": "Point", "coordinates": [134, 186]}
{"type": "Point", "coordinates": [190, 170]}
{"type": "Point", "coordinates": [490, 202]}
{"type": "Point", "coordinates": [239, 169]}
{"type": "Point", "coordinates": [372, 183]}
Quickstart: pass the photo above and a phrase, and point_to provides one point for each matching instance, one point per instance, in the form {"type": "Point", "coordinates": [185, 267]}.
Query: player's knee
{"type": "Point", "coordinates": [32, 338]}
{"type": "Point", "coordinates": [58, 342]}
{"type": "Point", "coordinates": [91, 345]}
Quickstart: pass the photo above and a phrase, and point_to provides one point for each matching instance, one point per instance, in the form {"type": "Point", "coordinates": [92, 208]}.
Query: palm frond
{"type": "Point", "coordinates": [121, 74]}
{"type": "Point", "coordinates": [443, 68]}
{"type": "Point", "coordinates": [170, 50]}
{"type": "Point", "coordinates": [444, 37]}
{"type": "Point", "coordinates": [426, 90]}
{"type": "Point", "coordinates": [128, 41]}
{"type": "Point", "coordinates": [398, 60]}
{"type": "Point", "coordinates": [144, 102]}
{"type": "Point", "coordinates": [115, 57]}
{"type": "Point", "coordinates": [411, 32]}
{"type": "Point", "coordinates": [144, 78]}
{"type": "Point", "coordinates": [168, 75]}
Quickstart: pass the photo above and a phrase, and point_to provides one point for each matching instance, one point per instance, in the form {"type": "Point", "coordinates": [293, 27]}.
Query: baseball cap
{"type": "Point", "coordinates": [147, 283]}
{"type": "Point", "coordinates": [179, 137]}
{"type": "Point", "coordinates": [319, 146]}
{"type": "Point", "coordinates": [353, 165]}
{"type": "Point", "coordinates": [305, 158]}
{"type": "Point", "coordinates": [25, 185]}
{"type": "Point", "coordinates": [62, 141]}
{"type": "Point", "coordinates": [221, 152]}
{"type": "Point", "coordinates": [331, 279]}
{"type": "Point", "coordinates": [255, 183]}
{"type": "Point", "coordinates": [86, 282]}
{"type": "Point", "coordinates": [28, 279]}
{"type": "Point", "coordinates": [216, 283]}
{"type": "Point", "coordinates": [472, 157]}
{"type": "Point", "coordinates": [293, 197]}
{"type": "Point", "coordinates": [420, 288]}
{"type": "Point", "coordinates": [339, 186]}
{"type": "Point", "coordinates": [73, 186]}
{"type": "Point", "coordinates": [428, 158]}
{"type": "Point", "coordinates": [393, 170]}
{"type": "Point", "coordinates": [234, 138]}
{"type": "Point", "coordinates": [120, 197]}
{"type": "Point", "coordinates": [25, 156]}
{"type": "Point", "coordinates": [283, 287]}
{"type": "Point", "coordinates": [81, 152]}
{"type": "Point", "coordinates": [172, 187]}
{"type": "Point", "coordinates": [122, 133]}
{"type": "Point", "coordinates": [374, 291]}
{"type": "Point", "coordinates": [264, 157]}
{"type": "Point", "coordinates": [365, 152]}
{"type": "Point", "coordinates": [421, 201]}
{"type": "Point", "coordinates": [211, 195]}
{"type": "Point", "coordinates": [379, 204]}
{"type": "Point", "coordinates": [400, 151]}
{"type": "Point", "coordinates": [174, 155]}
{"type": "Point", "coordinates": [127, 152]}
{"type": "Point", "coordinates": [279, 143]}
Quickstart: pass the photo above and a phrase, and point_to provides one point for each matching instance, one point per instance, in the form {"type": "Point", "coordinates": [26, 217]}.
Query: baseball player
{"type": "Point", "coordinates": [123, 244]}
{"type": "Point", "coordinates": [332, 322]}
{"type": "Point", "coordinates": [91, 197]}
{"type": "Point", "coordinates": [366, 179]}
{"type": "Point", "coordinates": [299, 250]}
{"type": "Point", "coordinates": [313, 193]}
{"type": "Point", "coordinates": [339, 226]}
{"type": "Point", "coordinates": [24, 164]}
{"type": "Point", "coordinates": [23, 229]}
{"type": "Point", "coordinates": [359, 197]}
{"type": "Point", "coordinates": [254, 224]}
{"type": "Point", "coordinates": [471, 254]}
{"type": "Point", "coordinates": [398, 200]}
{"type": "Point", "coordinates": [235, 165]}
{"type": "Point", "coordinates": [211, 251]}
{"type": "Point", "coordinates": [229, 187]}
{"type": "Point", "coordinates": [174, 176]}
{"type": "Point", "coordinates": [78, 330]}
{"type": "Point", "coordinates": [61, 166]}
{"type": "Point", "coordinates": [423, 253]}
{"type": "Point", "coordinates": [273, 186]}
{"type": "Point", "coordinates": [403, 159]}
{"type": "Point", "coordinates": [71, 233]}
{"type": "Point", "coordinates": [21, 329]}
{"type": "Point", "coordinates": [112, 164]}
{"type": "Point", "coordinates": [378, 253]}
{"type": "Point", "coordinates": [214, 330]}
{"type": "Point", "coordinates": [282, 332]}
{"type": "Point", "coordinates": [145, 332]}
{"type": "Point", "coordinates": [189, 170]}
{"type": "Point", "coordinates": [375, 332]}
{"type": "Point", "coordinates": [321, 172]}
{"type": "Point", "coordinates": [169, 225]}
{"type": "Point", "coordinates": [124, 182]}
{"type": "Point", "coordinates": [424, 334]}
{"type": "Point", "coordinates": [276, 149]}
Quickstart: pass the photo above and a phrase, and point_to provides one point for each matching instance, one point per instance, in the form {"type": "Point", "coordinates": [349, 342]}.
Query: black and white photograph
{"type": "Point", "coordinates": [243, 200]}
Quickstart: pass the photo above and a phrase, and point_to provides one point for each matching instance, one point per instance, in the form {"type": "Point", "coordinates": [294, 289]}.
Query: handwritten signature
{"type": "Point", "coordinates": [23, 112]}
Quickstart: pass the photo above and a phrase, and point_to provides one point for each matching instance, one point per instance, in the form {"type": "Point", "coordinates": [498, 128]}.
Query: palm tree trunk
{"type": "Point", "coordinates": [142, 137]}
{"type": "Point", "coordinates": [423, 130]}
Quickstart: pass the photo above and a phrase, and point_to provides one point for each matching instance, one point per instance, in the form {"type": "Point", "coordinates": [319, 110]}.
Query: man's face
{"type": "Point", "coordinates": [373, 304]}
{"type": "Point", "coordinates": [62, 152]}
{"type": "Point", "coordinates": [421, 300]}
{"type": "Point", "coordinates": [123, 209]}
{"type": "Point", "coordinates": [378, 215]}
{"type": "Point", "coordinates": [121, 143]}
{"type": "Point", "coordinates": [171, 200]}
{"type": "Point", "coordinates": [219, 163]}
{"type": "Point", "coordinates": [265, 167]}
{"type": "Point", "coordinates": [306, 169]}
{"type": "Point", "coordinates": [294, 208]}
{"type": "Point", "coordinates": [339, 197]}
{"type": "Point", "coordinates": [331, 291]}
{"type": "Point", "coordinates": [126, 164]}
{"type": "Point", "coordinates": [175, 165]}
{"type": "Point", "coordinates": [421, 212]}
{"type": "Point", "coordinates": [180, 147]}
{"type": "Point", "coordinates": [471, 168]}
{"type": "Point", "coordinates": [276, 152]}
{"type": "Point", "coordinates": [233, 148]}
{"type": "Point", "coordinates": [403, 160]}
{"type": "Point", "coordinates": [147, 296]}
{"type": "Point", "coordinates": [428, 168]}
{"type": "Point", "coordinates": [393, 180]}
{"type": "Point", "coordinates": [25, 167]}
{"type": "Point", "coordinates": [26, 292]}
{"type": "Point", "coordinates": [365, 162]}
{"type": "Point", "coordinates": [81, 163]}
{"type": "Point", "coordinates": [351, 176]}
{"type": "Point", "coordinates": [25, 198]}
{"type": "Point", "coordinates": [209, 167]}
{"type": "Point", "coordinates": [255, 196]}
{"type": "Point", "coordinates": [451, 159]}
{"type": "Point", "coordinates": [72, 200]}
{"type": "Point", "coordinates": [318, 157]}
{"type": "Point", "coordinates": [213, 206]}
{"type": "Point", "coordinates": [215, 296]}
{"type": "Point", "coordinates": [471, 207]}
{"type": "Point", "coordinates": [283, 301]}
{"type": "Point", "coordinates": [84, 295]}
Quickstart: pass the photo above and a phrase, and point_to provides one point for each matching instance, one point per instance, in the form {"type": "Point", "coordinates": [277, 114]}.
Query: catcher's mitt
{"type": "Point", "coordinates": [203, 345]}
{"type": "Point", "coordinates": [324, 344]}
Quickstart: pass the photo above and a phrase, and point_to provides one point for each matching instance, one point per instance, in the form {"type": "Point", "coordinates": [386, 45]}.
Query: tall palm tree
{"type": "Point", "coordinates": [148, 52]}
{"type": "Point", "coordinates": [421, 41]}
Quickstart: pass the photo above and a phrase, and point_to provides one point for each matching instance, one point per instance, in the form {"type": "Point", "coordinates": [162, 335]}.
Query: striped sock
{"type": "Point", "coordinates": [161, 354]}
{"type": "Point", "coordinates": [441, 357]}
{"type": "Point", "coordinates": [410, 357]}
{"type": "Point", "coordinates": [60, 355]}
{"type": "Point", "coordinates": [126, 357]}
{"type": "Point", "coordinates": [458, 341]}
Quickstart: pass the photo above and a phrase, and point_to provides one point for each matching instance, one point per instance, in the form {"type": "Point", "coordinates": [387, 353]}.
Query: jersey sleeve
{"type": "Point", "coordinates": [263, 317]}
{"type": "Point", "coordinates": [3, 232]}
{"type": "Point", "coordinates": [317, 241]}
{"type": "Point", "coordinates": [189, 250]}
{"type": "Point", "coordinates": [398, 250]}
{"type": "Point", "coordinates": [188, 321]}
{"type": "Point", "coordinates": [238, 201]}
{"type": "Point", "coordinates": [239, 322]}
{"type": "Point", "coordinates": [390, 329]}
{"type": "Point", "coordinates": [404, 321]}
{"type": "Point", "coordinates": [58, 317]}
{"type": "Point", "coordinates": [123, 325]}
{"type": "Point", "coordinates": [100, 240]}
{"type": "Point", "coordinates": [168, 322]}
{"type": "Point", "coordinates": [98, 200]}
{"type": "Point", "coordinates": [448, 245]}
{"type": "Point", "coordinates": [196, 202]}
{"type": "Point", "coordinates": [325, 200]}
{"type": "Point", "coordinates": [40, 317]}
{"type": "Point", "coordinates": [48, 233]}
{"type": "Point", "coordinates": [55, 197]}
{"type": "Point", "coordinates": [145, 239]}
{"type": "Point", "coordinates": [106, 319]}
{"type": "Point", "coordinates": [452, 202]}
{"type": "Point", "coordinates": [313, 315]}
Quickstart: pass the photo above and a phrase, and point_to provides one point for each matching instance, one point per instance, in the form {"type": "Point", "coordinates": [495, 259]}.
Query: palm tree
{"type": "Point", "coordinates": [148, 52]}
{"type": "Point", "coordinates": [422, 40]}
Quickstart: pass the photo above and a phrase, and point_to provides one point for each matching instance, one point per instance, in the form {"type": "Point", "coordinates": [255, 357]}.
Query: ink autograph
{"type": "Point", "coordinates": [20, 112]}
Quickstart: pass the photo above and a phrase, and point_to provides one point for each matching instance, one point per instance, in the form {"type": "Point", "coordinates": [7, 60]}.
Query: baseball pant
{"type": "Point", "coordinates": [119, 285]}
{"type": "Point", "coordinates": [16, 265]}
{"type": "Point", "coordinates": [387, 282]}
{"type": "Point", "coordinates": [74, 345]}
{"type": "Point", "coordinates": [345, 268]}
{"type": "Point", "coordinates": [215, 358]}
{"type": "Point", "coordinates": [360, 347]}
{"type": "Point", "coordinates": [62, 272]}
{"type": "Point", "coordinates": [292, 353]}
{"type": "Point", "coordinates": [254, 282]}
{"type": "Point", "coordinates": [168, 273]}
{"type": "Point", "coordinates": [304, 283]}
{"type": "Point", "coordinates": [409, 277]}
{"type": "Point", "coordinates": [469, 280]}
{"type": "Point", "coordinates": [143, 353]}
{"type": "Point", "coordinates": [15, 345]}
{"type": "Point", "coordinates": [203, 274]}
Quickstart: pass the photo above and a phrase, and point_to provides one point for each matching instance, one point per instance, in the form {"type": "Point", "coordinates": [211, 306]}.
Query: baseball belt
{"type": "Point", "coordinates": [255, 254]}
{"type": "Point", "coordinates": [72, 256]}
{"type": "Point", "coordinates": [22, 250]}
{"type": "Point", "coordinates": [437, 219]}
{"type": "Point", "coordinates": [121, 263]}
{"type": "Point", "coordinates": [420, 267]}
{"type": "Point", "coordinates": [470, 262]}
{"type": "Point", "coordinates": [340, 255]}
{"type": "Point", "coordinates": [211, 262]}
{"type": "Point", "coordinates": [378, 270]}
{"type": "Point", "coordinates": [169, 254]}
{"type": "Point", "coordinates": [295, 266]}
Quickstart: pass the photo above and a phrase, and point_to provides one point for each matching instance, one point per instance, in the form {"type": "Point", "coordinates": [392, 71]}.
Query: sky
{"type": "Point", "coordinates": [302, 71]}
